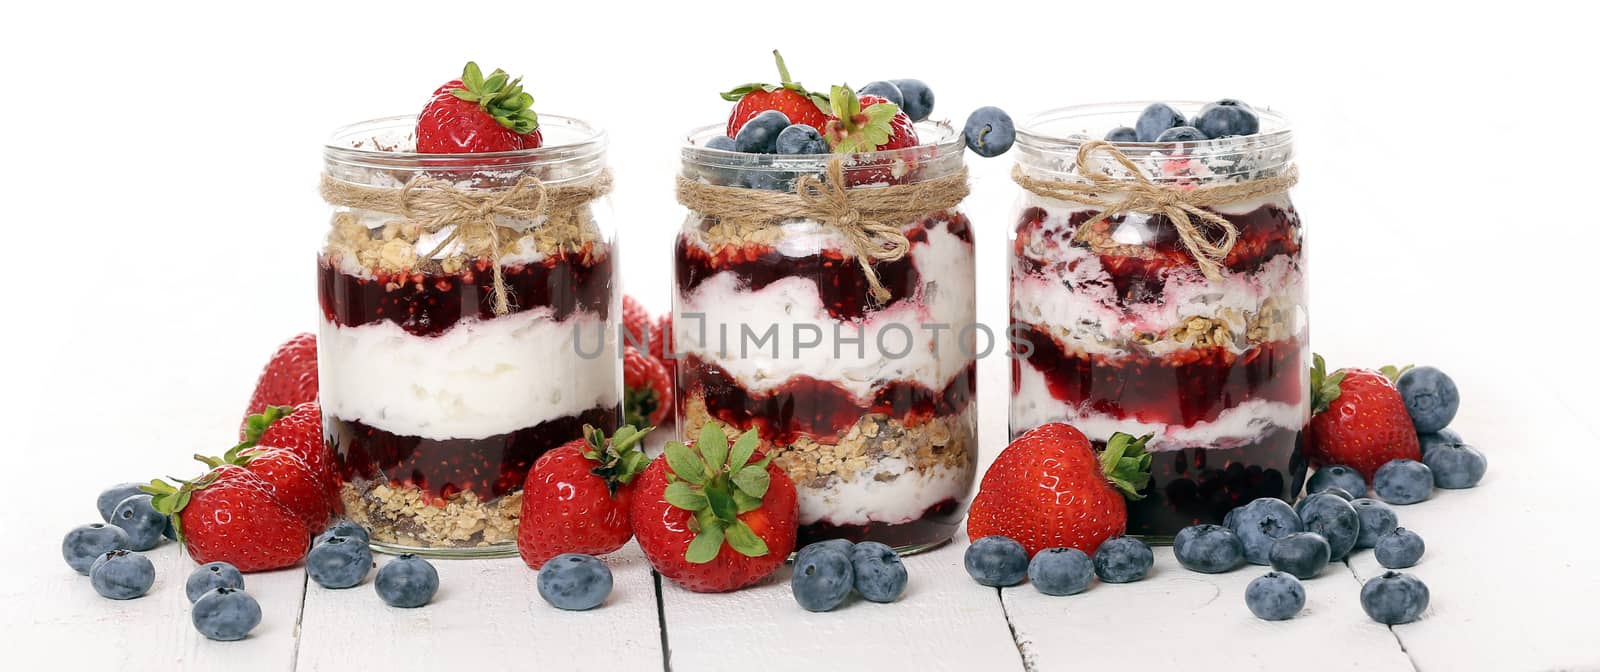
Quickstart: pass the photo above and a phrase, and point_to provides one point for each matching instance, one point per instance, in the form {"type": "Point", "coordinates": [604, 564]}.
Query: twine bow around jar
{"type": "Point", "coordinates": [1187, 209]}
{"type": "Point", "coordinates": [469, 215]}
{"type": "Point", "coordinates": [870, 219]}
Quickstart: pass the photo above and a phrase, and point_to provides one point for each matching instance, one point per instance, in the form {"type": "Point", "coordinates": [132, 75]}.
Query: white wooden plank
{"type": "Point", "coordinates": [1177, 619]}
{"type": "Point", "coordinates": [69, 626]}
{"type": "Point", "coordinates": [943, 622]}
{"type": "Point", "coordinates": [1510, 587]}
{"type": "Point", "coordinates": [487, 615]}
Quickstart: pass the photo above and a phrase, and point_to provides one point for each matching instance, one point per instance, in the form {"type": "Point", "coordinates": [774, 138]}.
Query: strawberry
{"type": "Point", "coordinates": [647, 389]}
{"type": "Point", "coordinates": [289, 378]}
{"type": "Point", "coordinates": [289, 478]}
{"type": "Point", "coordinates": [1358, 419]}
{"type": "Point", "coordinates": [231, 515]}
{"type": "Point", "coordinates": [710, 518]}
{"type": "Point", "coordinates": [478, 114]}
{"type": "Point", "coordinates": [794, 101]}
{"type": "Point", "coordinates": [866, 123]}
{"type": "Point", "coordinates": [1048, 489]}
{"type": "Point", "coordinates": [635, 322]}
{"type": "Point", "coordinates": [299, 431]}
{"type": "Point", "coordinates": [660, 344]}
{"type": "Point", "coordinates": [577, 495]}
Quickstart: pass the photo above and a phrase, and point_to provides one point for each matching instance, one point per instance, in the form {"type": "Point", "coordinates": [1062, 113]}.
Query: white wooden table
{"type": "Point", "coordinates": [1513, 577]}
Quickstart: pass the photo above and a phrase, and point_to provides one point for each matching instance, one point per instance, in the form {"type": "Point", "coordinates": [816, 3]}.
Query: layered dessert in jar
{"type": "Point", "coordinates": [453, 355]}
{"type": "Point", "coordinates": [1118, 326]}
{"type": "Point", "coordinates": [857, 371]}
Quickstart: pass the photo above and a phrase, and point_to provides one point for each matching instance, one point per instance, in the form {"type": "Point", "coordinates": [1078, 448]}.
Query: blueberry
{"type": "Point", "coordinates": [112, 496]}
{"type": "Point", "coordinates": [226, 614]}
{"type": "Point", "coordinates": [1275, 596]}
{"type": "Point", "coordinates": [1122, 134]}
{"type": "Point", "coordinates": [346, 529]}
{"type": "Point", "coordinates": [989, 132]}
{"type": "Point", "coordinates": [1403, 482]}
{"type": "Point", "coordinates": [85, 543]}
{"type": "Point", "coordinates": [1455, 466]}
{"type": "Point", "coordinates": [1394, 598]}
{"type": "Point", "coordinates": [575, 582]}
{"type": "Point", "coordinates": [822, 580]}
{"type": "Point", "coordinates": [141, 521]}
{"type": "Point", "coordinates": [1227, 117]}
{"type": "Point", "coordinates": [916, 98]}
{"type": "Point", "coordinates": [721, 142]}
{"type": "Point", "coordinates": [209, 577]}
{"type": "Point", "coordinates": [1208, 548]}
{"type": "Point", "coordinates": [1337, 476]}
{"type": "Point", "coordinates": [1123, 560]}
{"type": "Point", "coordinates": [1260, 523]}
{"type": "Point", "coordinates": [1377, 519]}
{"type": "Point", "coordinates": [1333, 518]}
{"type": "Point", "coordinates": [1303, 554]}
{"type": "Point", "coordinates": [887, 91]}
{"type": "Point", "coordinates": [1399, 549]}
{"type": "Point", "coordinates": [122, 574]}
{"type": "Point", "coordinates": [1443, 437]}
{"type": "Point", "coordinates": [880, 576]}
{"type": "Point", "coordinates": [1061, 571]}
{"type": "Point", "coordinates": [997, 561]}
{"type": "Point", "coordinates": [407, 581]}
{"type": "Point", "coordinates": [1181, 134]}
{"type": "Point", "coordinates": [801, 139]}
{"type": "Point", "coordinates": [759, 135]}
{"type": "Point", "coordinates": [844, 546]}
{"type": "Point", "coordinates": [1155, 118]}
{"type": "Point", "coordinates": [339, 562]}
{"type": "Point", "coordinates": [1431, 398]}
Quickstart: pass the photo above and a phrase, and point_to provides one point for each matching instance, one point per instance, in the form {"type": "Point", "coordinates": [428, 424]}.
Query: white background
{"type": "Point", "coordinates": [160, 165]}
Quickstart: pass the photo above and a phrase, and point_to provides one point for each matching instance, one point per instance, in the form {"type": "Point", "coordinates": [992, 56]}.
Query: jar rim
{"type": "Point", "coordinates": [946, 140]}
{"type": "Point", "coordinates": [1050, 129]}
{"type": "Point", "coordinates": [359, 144]}
{"type": "Point", "coordinates": [1048, 143]}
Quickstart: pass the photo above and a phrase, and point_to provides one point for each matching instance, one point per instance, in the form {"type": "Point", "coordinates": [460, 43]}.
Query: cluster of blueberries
{"type": "Point", "coordinates": [1332, 520]}
{"type": "Point", "coordinates": [826, 572]}
{"type": "Point", "coordinates": [341, 557]}
{"type": "Point", "coordinates": [109, 552]}
{"type": "Point", "coordinates": [1160, 122]}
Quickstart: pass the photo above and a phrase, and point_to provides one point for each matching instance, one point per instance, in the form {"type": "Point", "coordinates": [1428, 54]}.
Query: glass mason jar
{"type": "Point", "coordinates": [1116, 327]}
{"type": "Point", "coordinates": [469, 307]}
{"type": "Point", "coordinates": [865, 398]}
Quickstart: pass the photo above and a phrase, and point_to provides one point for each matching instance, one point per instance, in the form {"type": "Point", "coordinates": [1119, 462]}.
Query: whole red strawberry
{"type": "Point", "coordinates": [478, 114]}
{"type": "Point", "coordinates": [647, 390]}
{"type": "Point", "coordinates": [289, 378]}
{"type": "Point", "coordinates": [1358, 419]}
{"type": "Point", "coordinates": [299, 431]}
{"type": "Point", "coordinates": [1048, 489]}
{"type": "Point", "coordinates": [710, 518]}
{"type": "Point", "coordinates": [577, 496]}
{"type": "Point", "coordinates": [635, 322]}
{"type": "Point", "coordinates": [230, 515]}
{"type": "Point", "coordinates": [790, 98]}
{"type": "Point", "coordinates": [290, 479]}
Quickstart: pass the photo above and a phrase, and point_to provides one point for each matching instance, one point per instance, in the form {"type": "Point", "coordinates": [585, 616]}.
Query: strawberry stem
{"type": "Point", "coordinates": [783, 70]}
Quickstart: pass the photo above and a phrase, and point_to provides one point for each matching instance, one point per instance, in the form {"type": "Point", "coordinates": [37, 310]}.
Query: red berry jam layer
{"type": "Point", "coordinates": [428, 304]}
{"type": "Point", "coordinates": [1200, 485]}
{"type": "Point", "coordinates": [845, 293]}
{"type": "Point", "coordinates": [804, 407]}
{"type": "Point", "coordinates": [489, 468]}
{"type": "Point", "coordinates": [936, 525]}
{"type": "Point", "coordinates": [1184, 387]}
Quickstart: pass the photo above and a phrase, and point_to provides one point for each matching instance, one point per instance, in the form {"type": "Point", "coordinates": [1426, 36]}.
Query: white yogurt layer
{"type": "Point", "coordinates": [479, 378]}
{"type": "Point", "coordinates": [1033, 405]}
{"type": "Point", "coordinates": [932, 357]}
{"type": "Point", "coordinates": [900, 499]}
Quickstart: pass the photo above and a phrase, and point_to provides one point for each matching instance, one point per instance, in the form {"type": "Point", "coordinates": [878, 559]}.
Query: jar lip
{"type": "Point", "coordinates": [1052, 129]}
{"type": "Point", "coordinates": [944, 140]}
{"type": "Point", "coordinates": [363, 144]}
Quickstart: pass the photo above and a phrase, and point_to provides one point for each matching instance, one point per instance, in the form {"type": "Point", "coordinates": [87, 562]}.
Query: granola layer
{"type": "Point", "coordinates": [403, 516]}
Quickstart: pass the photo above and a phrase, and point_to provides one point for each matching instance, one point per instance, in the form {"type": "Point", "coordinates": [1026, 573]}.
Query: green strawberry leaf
{"type": "Point", "coordinates": [706, 545]}
{"type": "Point", "coordinates": [257, 424]}
{"type": "Point", "coordinates": [1126, 464]}
{"type": "Point", "coordinates": [472, 76]}
{"type": "Point", "coordinates": [722, 504]}
{"type": "Point", "coordinates": [744, 540]}
{"type": "Point", "coordinates": [1324, 386]}
{"type": "Point", "coordinates": [715, 453]}
{"type": "Point", "coordinates": [1393, 372]}
{"type": "Point", "coordinates": [746, 503]}
{"type": "Point", "coordinates": [685, 462]}
{"type": "Point", "coordinates": [684, 496]}
{"type": "Point", "coordinates": [753, 481]}
{"type": "Point", "coordinates": [743, 448]}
